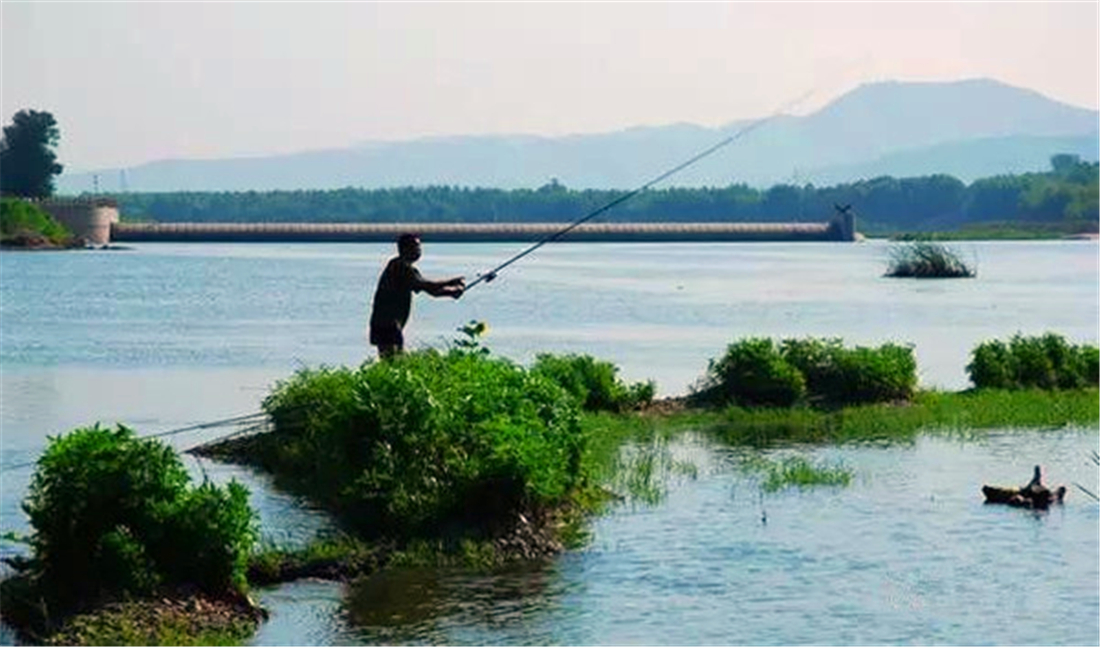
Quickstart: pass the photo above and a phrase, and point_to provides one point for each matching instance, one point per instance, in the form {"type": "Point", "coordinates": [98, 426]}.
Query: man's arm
{"type": "Point", "coordinates": [449, 288]}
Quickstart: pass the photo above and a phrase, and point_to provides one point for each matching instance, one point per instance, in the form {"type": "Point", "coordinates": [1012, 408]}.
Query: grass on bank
{"type": "Point", "coordinates": [928, 412]}
{"type": "Point", "coordinates": [24, 224]}
{"type": "Point", "coordinates": [1007, 230]}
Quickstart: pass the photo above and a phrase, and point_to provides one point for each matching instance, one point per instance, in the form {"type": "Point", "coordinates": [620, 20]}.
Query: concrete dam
{"type": "Point", "coordinates": [99, 224]}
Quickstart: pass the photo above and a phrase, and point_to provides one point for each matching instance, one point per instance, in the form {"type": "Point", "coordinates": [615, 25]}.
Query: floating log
{"type": "Point", "coordinates": [1034, 495]}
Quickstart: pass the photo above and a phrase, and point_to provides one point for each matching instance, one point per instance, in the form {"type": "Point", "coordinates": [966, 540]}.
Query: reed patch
{"type": "Point", "coordinates": [925, 259]}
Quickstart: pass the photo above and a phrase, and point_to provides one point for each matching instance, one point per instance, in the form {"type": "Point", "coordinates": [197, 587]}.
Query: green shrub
{"type": "Point", "coordinates": [992, 366]}
{"type": "Point", "coordinates": [926, 260]}
{"type": "Point", "coordinates": [112, 512]}
{"type": "Point", "coordinates": [594, 383]}
{"type": "Point", "coordinates": [757, 372]}
{"type": "Point", "coordinates": [753, 373]}
{"type": "Point", "coordinates": [1044, 362]}
{"type": "Point", "coordinates": [19, 218]}
{"type": "Point", "coordinates": [839, 376]}
{"type": "Point", "coordinates": [426, 440]}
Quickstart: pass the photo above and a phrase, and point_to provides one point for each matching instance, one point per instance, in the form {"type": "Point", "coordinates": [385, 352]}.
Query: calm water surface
{"type": "Point", "coordinates": [165, 336]}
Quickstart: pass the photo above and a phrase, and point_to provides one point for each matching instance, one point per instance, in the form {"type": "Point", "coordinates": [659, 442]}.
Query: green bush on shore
{"type": "Point", "coordinates": [759, 372]}
{"type": "Point", "coordinates": [114, 513]}
{"type": "Point", "coordinates": [593, 382]}
{"type": "Point", "coordinates": [426, 441]}
{"type": "Point", "coordinates": [1045, 362]}
{"type": "Point", "coordinates": [21, 220]}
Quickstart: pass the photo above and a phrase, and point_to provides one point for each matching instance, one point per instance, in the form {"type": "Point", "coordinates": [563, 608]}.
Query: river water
{"type": "Point", "coordinates": [164, 336]}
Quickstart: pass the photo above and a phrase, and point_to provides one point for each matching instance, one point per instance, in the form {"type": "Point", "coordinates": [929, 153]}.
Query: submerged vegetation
{"type": "Point", "coordinates": [924, 259]}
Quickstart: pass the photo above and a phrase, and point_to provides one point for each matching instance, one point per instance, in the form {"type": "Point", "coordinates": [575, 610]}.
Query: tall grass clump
{"type": "Point", "coordinates": [594, 383]}
{"type": "Point", "coordinates": [22, 221]}
{"type": "Point", "coordinates": [1044, 362]}
{"type": "Point", "coordinates": [425, 442]}
{"type": "Point", "coordinates": [759, 372]}
{"type": "Point", "coordinates": [926, 260]}
{"type": "Point", "coordinates": [114, 513]}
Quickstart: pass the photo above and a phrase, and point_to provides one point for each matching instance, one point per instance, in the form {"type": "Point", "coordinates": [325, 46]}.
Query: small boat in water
{"type": "Point", "coordinates": [1034, 495]}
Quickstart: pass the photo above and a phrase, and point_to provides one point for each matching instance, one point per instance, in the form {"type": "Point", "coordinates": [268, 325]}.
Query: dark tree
{"type": "Point", "coordinates": [27, 160]}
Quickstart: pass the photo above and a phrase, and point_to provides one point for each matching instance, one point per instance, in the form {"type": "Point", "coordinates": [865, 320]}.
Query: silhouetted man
{"type": "Point", "coordinates": [393, 297]}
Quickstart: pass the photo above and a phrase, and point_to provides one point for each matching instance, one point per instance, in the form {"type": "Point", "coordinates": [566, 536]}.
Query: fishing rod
{"type": "Point", "coordinates": [492, 274]}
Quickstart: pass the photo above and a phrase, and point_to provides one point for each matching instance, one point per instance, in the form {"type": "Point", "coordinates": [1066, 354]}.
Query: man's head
{"type": "Point", "coordinates": [408, 247]}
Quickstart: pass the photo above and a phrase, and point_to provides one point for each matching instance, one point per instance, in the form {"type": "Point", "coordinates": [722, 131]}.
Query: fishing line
{"type": "Point", "coordinates": [251, 421]}
{"type": "Point", "coordinates": [492, 274]}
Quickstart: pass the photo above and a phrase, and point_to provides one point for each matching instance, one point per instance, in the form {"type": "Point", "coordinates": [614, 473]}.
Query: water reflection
{"type": "Point", "coordinates": [432, 606]}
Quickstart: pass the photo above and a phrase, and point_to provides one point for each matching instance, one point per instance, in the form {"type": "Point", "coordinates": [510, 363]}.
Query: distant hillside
{"type": "Point", "coordinates": [968, 129]}
{"type": "Point", "coordinates": [967, 160]}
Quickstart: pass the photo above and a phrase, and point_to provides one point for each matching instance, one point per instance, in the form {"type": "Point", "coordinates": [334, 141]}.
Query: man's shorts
{"type": "Point", "coordinates": [386, 334]}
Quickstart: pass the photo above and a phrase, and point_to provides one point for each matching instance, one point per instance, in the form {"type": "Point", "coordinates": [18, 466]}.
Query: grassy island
{"type": "Point", "coordinates": [461, 457]}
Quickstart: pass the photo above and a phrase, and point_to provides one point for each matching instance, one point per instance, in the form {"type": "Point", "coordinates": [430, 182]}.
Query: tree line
{"type": "Point", "coordinates": [1066, 195]}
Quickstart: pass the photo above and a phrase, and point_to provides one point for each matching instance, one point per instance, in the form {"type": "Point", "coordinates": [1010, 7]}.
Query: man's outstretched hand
{"type": "Point", "coordinates": [458, 286]}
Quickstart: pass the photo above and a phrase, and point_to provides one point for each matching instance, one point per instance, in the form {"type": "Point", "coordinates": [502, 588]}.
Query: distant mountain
{"type": "Point", "coordinates": [968, 129]}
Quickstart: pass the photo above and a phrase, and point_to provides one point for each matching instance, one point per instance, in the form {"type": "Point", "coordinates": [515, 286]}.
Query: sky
{"type": "Point", "coordinates": [133, 82]}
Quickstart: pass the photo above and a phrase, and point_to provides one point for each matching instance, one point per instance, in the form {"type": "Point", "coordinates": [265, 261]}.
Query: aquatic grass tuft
{"type": "Point", "coordinates": [926, 260]}
{"type": "Point", "coordinates": [796, 471]}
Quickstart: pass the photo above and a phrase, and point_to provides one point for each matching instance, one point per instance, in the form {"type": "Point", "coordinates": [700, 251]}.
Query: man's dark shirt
{"type": "Point", "coordinates": [393, 298]}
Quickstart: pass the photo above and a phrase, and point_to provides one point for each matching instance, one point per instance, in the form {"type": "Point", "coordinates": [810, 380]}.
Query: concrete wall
{"type": "Point", "coordinates": [89, 219]}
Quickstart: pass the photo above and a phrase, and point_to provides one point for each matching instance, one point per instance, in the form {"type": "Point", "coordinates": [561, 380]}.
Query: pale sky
{"type": "Point", "coordinates": [132, 82]}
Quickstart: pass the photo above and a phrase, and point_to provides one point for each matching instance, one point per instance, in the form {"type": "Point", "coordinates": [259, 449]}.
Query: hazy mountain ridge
{"type": "Point", "coordinates": [968, 129]}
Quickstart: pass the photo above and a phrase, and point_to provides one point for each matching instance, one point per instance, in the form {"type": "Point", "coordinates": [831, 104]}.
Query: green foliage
{"type": "Point", "coordinates": [926, 260]}
{"type": "Point", "coordinates": [796, 471]}
{"type": "Point", "coordinates": [839, 376]}
{"type": "Point", "coordinates": [112, 512]}
{"type": "Point", "coordinates": [426, 440]}
{"type": "Point", "coordinates": [929, 412]}
{"type": "Point", "coordinates": [19, 218]}
{"type": "Point", "coordinates": [757, 372]}
{"type": "Point", "coordinates": [1044, 362]}
{"type": "Point", "coordinates": [27, 156]}
{"type": "Point", "coordinates": [753, 373]}
{"type": "Point", "coordinates": [594, 383]}
{"type": "Point", "coordinates": [1066, 196]}
{"type": "Point", "coordinates": [472, 333]}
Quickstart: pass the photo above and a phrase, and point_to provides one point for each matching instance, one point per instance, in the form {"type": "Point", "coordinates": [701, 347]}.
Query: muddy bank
{"type": "Point", "coordinates": [180, 617]}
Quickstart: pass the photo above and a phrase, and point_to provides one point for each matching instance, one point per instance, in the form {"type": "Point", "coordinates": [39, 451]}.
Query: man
{"type": "Point", "coordinates": [393, 297]}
